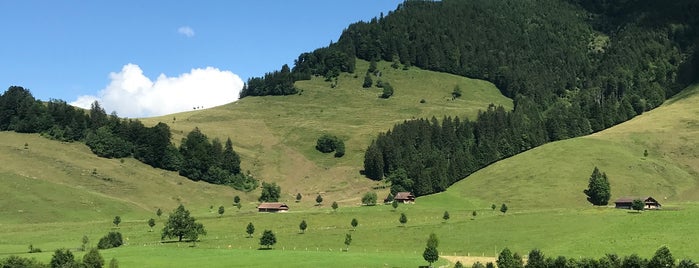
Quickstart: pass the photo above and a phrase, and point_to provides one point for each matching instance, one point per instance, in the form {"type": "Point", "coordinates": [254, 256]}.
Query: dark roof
{"type": "Point", "coordinates": [627, 199]}
{"type": "Point", "coordinates": [404, 196]}
{"type": "Point", "coordinates": [278, 206]}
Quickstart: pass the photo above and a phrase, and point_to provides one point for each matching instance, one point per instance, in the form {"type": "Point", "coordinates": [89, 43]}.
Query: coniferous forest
{"type": "Point", "coordinates": [572, 67]}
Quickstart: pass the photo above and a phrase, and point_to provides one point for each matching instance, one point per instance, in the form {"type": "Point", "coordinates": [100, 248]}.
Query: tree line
{"type": "Point", "coordinates": [197, 158]}
{"type": "Point", "coordinates": [426, 156]}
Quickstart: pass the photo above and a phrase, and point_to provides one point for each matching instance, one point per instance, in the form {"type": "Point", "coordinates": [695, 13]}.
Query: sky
{"type": "Point", "coordinates": [149, 58]}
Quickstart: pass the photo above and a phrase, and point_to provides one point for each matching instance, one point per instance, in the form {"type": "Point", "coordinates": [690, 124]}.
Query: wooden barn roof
{"type": "Point", "coordinates": [280, 206]}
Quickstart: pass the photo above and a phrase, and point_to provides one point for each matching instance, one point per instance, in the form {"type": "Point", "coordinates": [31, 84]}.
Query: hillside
{"type": "Point", "coordinates": [554, 175]}
{"type": "Point", "coordinates": [276, 135]}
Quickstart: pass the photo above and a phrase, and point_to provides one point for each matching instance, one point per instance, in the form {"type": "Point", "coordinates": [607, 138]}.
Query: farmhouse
{"type": "Point", "coordinates": [625, 202]}
{"type": "Point", "coordinates": [272, 207]}
{"type": "Point", "coordinates": [404, 197]}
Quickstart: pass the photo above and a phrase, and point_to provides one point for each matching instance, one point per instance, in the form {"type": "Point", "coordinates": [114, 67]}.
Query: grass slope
{"type": "Point", "coordinates": [554, 175]}
{"type": "Point", "coordinates": [276, 135]}
{"type": "Point", "coordinates": [542, 187]}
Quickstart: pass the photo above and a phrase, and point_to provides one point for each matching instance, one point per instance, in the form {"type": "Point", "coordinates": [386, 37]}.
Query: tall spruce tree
{"type": "Point", "coordinates": [598, 190]}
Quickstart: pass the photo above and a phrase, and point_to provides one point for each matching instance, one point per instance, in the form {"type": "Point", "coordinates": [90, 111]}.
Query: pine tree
{"type": "Point", "coordinates": [598, 189]}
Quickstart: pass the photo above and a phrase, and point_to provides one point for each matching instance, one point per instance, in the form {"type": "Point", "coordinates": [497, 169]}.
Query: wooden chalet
{"type": "Point", "coordinates": [272, 207]}
{"type": "Point", "coordinates": [625, 202]}
{"type": "Point", "coordinates": [404, 197]}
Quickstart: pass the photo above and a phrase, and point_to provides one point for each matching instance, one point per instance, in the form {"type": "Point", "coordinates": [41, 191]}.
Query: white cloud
{"type": "Point", "coordinates": [186, 31]}
{"type": "Point", "coordinates": [131, 94]}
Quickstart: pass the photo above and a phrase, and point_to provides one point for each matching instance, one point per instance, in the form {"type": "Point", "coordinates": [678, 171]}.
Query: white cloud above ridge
{"type": "Point", "coordinates": [186, 31]}
{"type": "Point", "coordinates": [132, 94]}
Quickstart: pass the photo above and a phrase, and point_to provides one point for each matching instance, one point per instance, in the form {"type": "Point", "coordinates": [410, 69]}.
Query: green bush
{"type": "Point", "coordinates": [111, 240]}
{"type": "Point", "coordinates": [329, 143]}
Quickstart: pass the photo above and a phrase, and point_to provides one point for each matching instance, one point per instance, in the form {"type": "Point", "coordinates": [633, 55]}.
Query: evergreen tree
{"type": "Point", "coordinates": [303, 226]}
{"type": "Point", "coordinates": [298, 197]}
{"type": "Point", "coordinates": [354, 223]}
{"type": "Point", "coordinates": [598, 189]}
{"type": "Point", "coordinates": [503, 208]}
{"type": "Point", "coordinates": [662, 258]}
{"type": "Point", "coordinates": [268, 239]}
{"type": "Point", "coordinates": [373, 162]}
{"type": "Point", "coordinates": [230, 160]}
{"type": "Point", "coordinates": [319, 200]}
{"type": "Point", "coordinates": [116, 221]}
{"type": "Point", "coordinates": [151, 223]}
{"type": "Point", "coordinates": [334, 206]}
{"type": "Point", "coordinates": [250, 229]}
{"type": "Point", "coordinates": [368, 82]}
{"type": "Point", "coordinates": [445, 217]}
{"type": "Point", "coordinates": [431, 254]}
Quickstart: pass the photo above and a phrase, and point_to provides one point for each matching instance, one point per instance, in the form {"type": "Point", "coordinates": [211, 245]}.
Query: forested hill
{"type": "Point", "coordinates": [573, 67]}
{"type": "Point", "coordinates": [604, 61]}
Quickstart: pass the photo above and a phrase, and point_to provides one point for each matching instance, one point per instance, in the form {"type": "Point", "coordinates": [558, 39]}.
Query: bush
{"type": "Point", "coordinates": [111, 240]}
{"type": "Point", "coordinates": [387, 91]}
{"type": "Point", "coordinates": [328, 143]}
{"type": "Point", "coordinates": [369, 199]}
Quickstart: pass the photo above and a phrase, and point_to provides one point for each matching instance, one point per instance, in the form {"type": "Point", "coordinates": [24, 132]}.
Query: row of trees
{"type": "Point", "coordinates": [198, 157]}
{"type": "Point", "coordinates": [536, 259]}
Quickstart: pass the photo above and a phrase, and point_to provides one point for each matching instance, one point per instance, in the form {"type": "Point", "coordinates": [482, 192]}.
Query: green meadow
{"type": "Point", "coordinates": [55, 193]}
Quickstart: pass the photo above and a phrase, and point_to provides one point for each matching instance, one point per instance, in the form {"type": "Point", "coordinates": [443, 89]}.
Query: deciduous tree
{"type": "Point", "coordinates": [221, 210]}
{"type": "Point", "coordinates": [637, 204]}
{"type": "Point", "coordinates": [503, 208]}
{"type": "Point", "coordinates": [63, 258]}
{"type": "Point", "coordinates": [403, 219]}
{"type": "Point", "coordinates": [354, 223]}
{"type": "Point", "coordinates": [369, 199]}
{"type": "Point", "coordinates": [270, 192]}
{"type": "Point", "coordinates": [93, 259]}
{"type": "Point", "coordinates": [181, 225]}
{"type": "Point", "coordinates": [348, 241]}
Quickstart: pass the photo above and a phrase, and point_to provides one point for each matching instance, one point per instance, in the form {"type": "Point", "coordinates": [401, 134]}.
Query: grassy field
{"type": "Point", "coordinates": [276, 135]}
{"type": "Point", "coordinates": [54, 193]}
{"type": "Point", "coordinates": [554, 175]}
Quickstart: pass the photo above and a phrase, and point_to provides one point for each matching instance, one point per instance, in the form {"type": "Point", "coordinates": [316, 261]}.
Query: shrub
{"type": "Point", "coordinates": [111, 240]}
{"type": "Point", "coordinates": [328, 143]}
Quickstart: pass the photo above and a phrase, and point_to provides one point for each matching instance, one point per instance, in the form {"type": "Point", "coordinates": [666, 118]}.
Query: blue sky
{"type": "Point", "coordinates": [116, 51]}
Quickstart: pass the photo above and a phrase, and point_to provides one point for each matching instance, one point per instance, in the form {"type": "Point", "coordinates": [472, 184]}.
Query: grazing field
{"type": "Point", "coordinates": [276, 135]}
{"type": "Point", "coordinates": [55, 193]}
